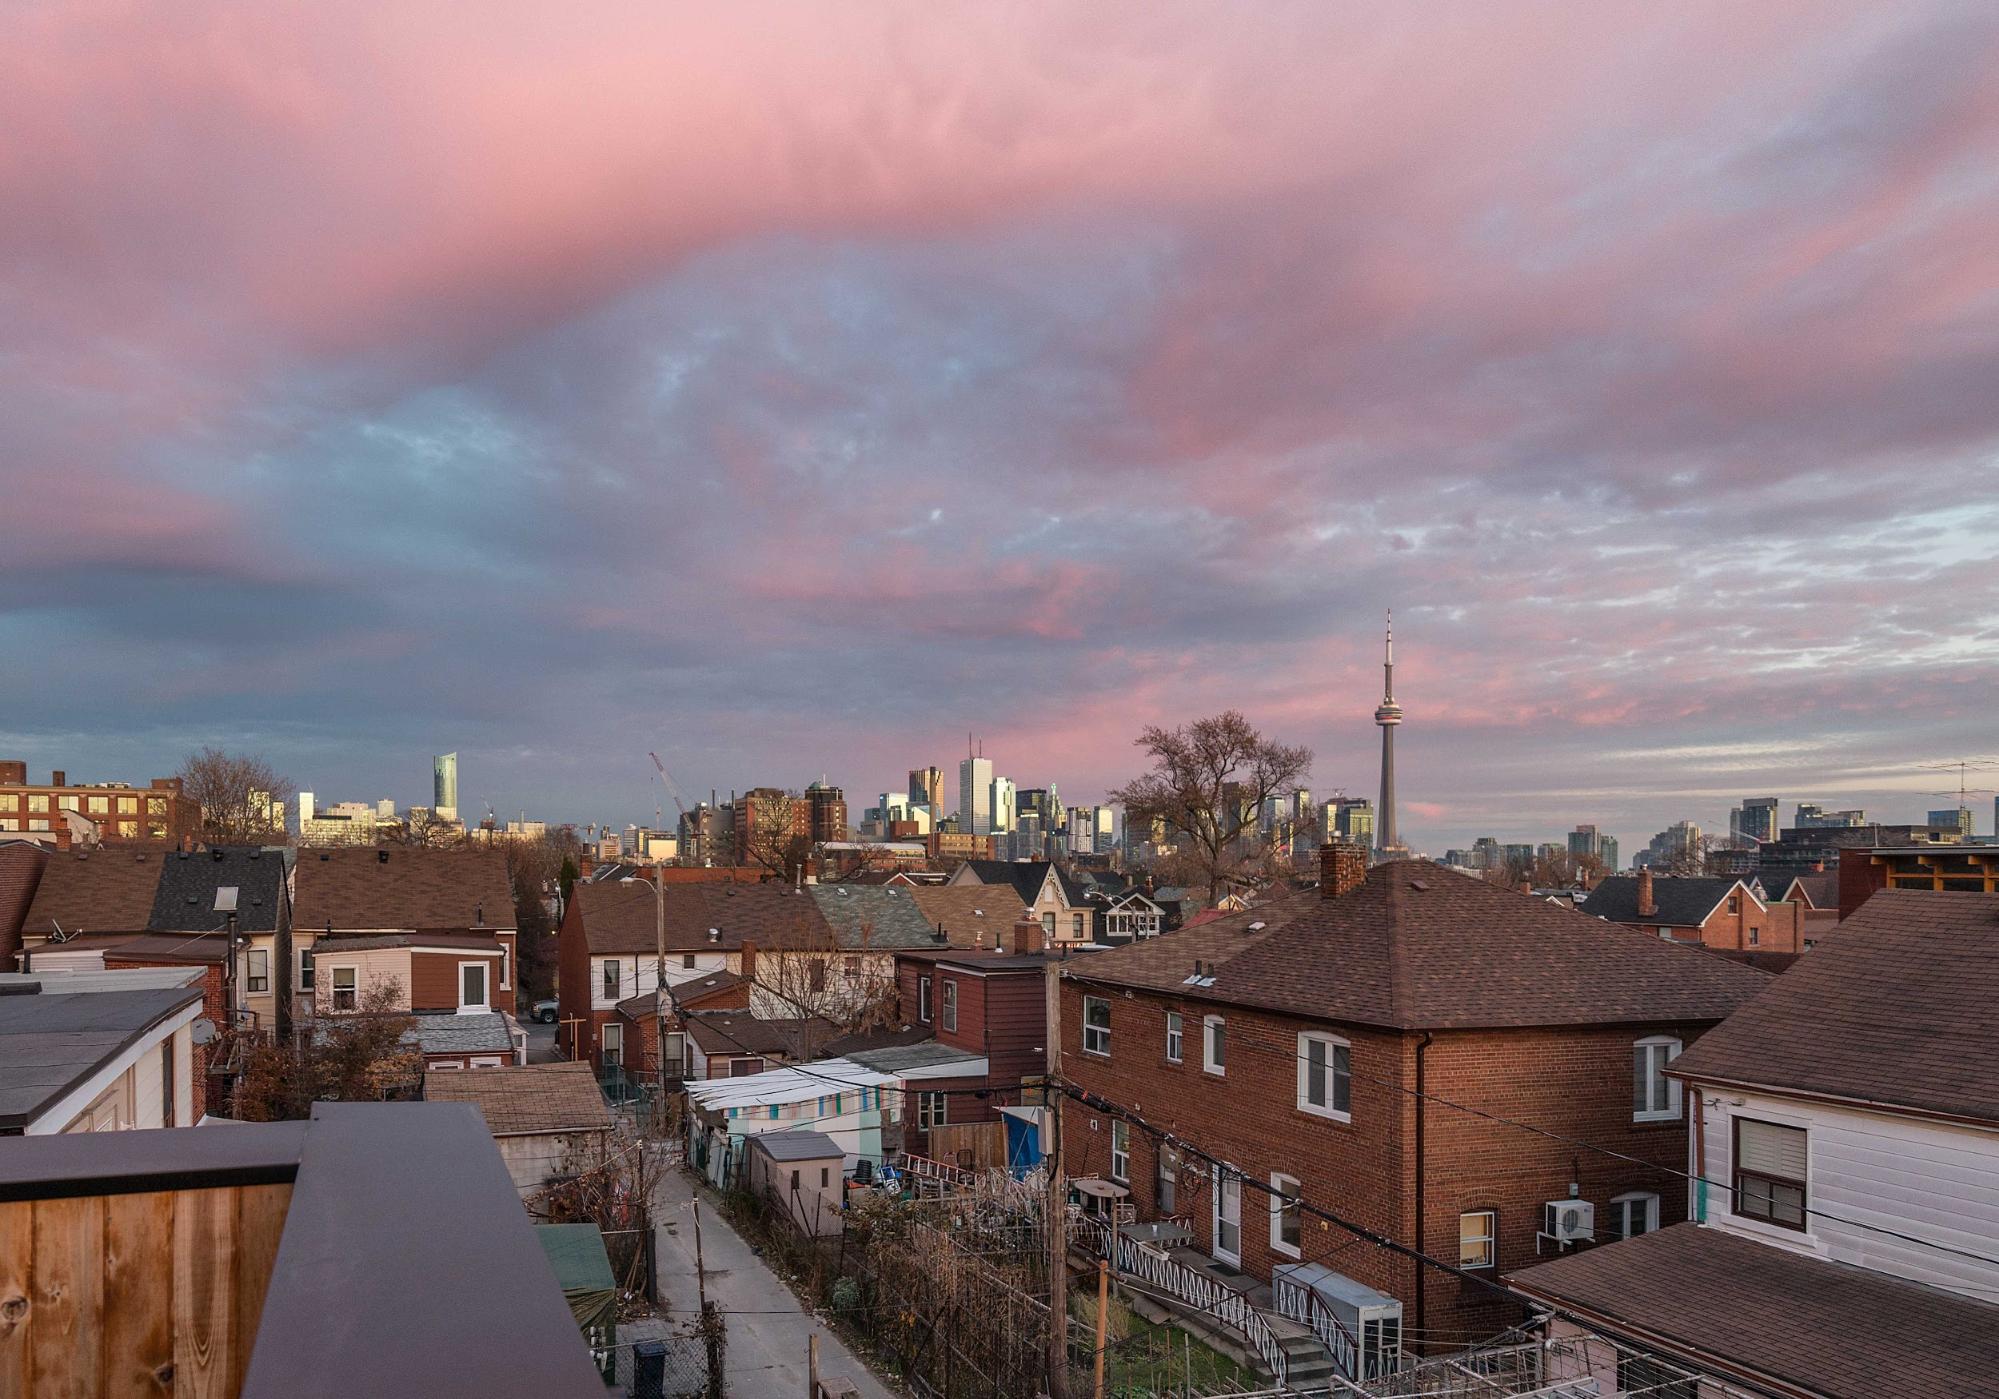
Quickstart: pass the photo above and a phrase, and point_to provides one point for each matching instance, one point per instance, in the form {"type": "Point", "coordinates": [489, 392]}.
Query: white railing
{"type": "Point", "coordinates": [1192, 1288]}
{"type": "Point", "coordinates": [1304, 1305]}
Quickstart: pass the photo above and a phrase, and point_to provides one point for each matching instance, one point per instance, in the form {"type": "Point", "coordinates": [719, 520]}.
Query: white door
{"type": "Point", "coordinates": [1228, 1216]}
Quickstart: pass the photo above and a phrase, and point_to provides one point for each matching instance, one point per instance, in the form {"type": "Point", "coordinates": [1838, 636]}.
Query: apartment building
{"type": "Point", "coordinates": [116, 812]}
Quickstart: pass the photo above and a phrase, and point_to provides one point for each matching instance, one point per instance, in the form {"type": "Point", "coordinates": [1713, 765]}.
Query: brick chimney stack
{"type": "Point", "coordinates": [1027, 937]}
{"type": "Point", "coordinates": [58, 778]}
{"type": "Point", "coordinates": [1342, 868]}
{"type": "Point", "coordinates": [748, 962]}
{"type": "Point", "coordinates": [1647, 905]}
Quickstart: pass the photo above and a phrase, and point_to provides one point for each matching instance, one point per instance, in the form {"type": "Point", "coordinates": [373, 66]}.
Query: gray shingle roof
{"type": "Point", "coordinates": [536, 1098]}
{"type": "Point", "coordinates": [1418, 946]}
{"type": "Point", "coordinates": [1683, 901]}
{"type": "Point", "coordinates": [448, 1033]}
{"type": "Point", "coordinates": [797, 1146]}
{"type": "Point", "coordinates": [185, 898]}
{"type": "Point", "coordinates": [1827, 1328]}
{"type": "Point", "coordinates": [873, 915]}
{"type": "Point", "coordinates": [1898, 1005]}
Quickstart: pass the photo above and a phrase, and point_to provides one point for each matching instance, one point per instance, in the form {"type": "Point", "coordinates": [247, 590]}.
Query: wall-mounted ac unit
{"type": "Point", "coordinates": [1569, 1221]}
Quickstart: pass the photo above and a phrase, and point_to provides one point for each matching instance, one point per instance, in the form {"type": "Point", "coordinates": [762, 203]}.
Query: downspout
{"type": "Point", "coordinates": [1421, 1242]}
{"type": "Point", "coordinates": [1699, 1163]}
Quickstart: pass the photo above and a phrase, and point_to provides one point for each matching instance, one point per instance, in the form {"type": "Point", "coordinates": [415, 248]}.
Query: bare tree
{"type": "Point", "coordinates": [358, 1057]}
{"type": "Point", "coordinates": [425, 828]}
{"type": "Point", "coordinates": [1208, 785]}
{"type": "Point", "coordinates": [241, 797]}
{"type": "Point", "coordinates": [777, 834]}
{"type": "Point", "coordinates": [1561, 869]}
{"type": "Point", "coordinates": [1690, 858]}
{"type": "Point", "coordinates": [535, 872]}
{"type": "Point", "coordinates": [814, 975]}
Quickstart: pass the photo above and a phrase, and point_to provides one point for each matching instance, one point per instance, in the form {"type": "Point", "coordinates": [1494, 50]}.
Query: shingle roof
{"type": "Point", "coordinates": [537, 1098]}
{"type": "Point", "coordinates": [355, 889]}
{"type": "Point", "coordinates": [462, 942]}
{"type": "Point", "coordinates": [873, 915]}
{"type": "Point", "coordinates": [185, 899]}
{"type": "Point", "coordinates": [620, 918]}
{"type": "Point", "coordinates": [1828, 1328]}
{"type": "Point", "coordinates": [796, 1146]}
{"type": "Point", "coordinates": [1818, 891]}
{"type": "Point", "coordinates": [730, 1032]}
{"type": "Point", "coordinates": [172, 949]}
{"type": "Point", "coordinates": [95, 891]}
{"type": "Point", "coordinates": [1682, 901]}
{"type": "Point", "coordinates": [1026, 877]}
{"type": "Point", "coordinates": [1898, 1005]}
{"type": "Point", "coordinates": [972, 914]}
{"type": "Point", "coordinates": [443, 1032]}
{"type": "Point", "coordinates": [1418, 946]}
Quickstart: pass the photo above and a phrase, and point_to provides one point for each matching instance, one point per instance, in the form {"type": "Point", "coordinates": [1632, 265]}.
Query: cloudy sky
{"type": "Point", "coordinates": [794, 388]}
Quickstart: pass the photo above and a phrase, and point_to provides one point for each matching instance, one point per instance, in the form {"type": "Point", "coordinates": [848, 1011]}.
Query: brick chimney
{"type": "Point", "coordinates": [749, 972]}
{"type": "Point", "coordinates": [58, 778]}
{"type": "Point", "coordinates": [1027, 936]}
{"type": "Point", "coordinates": [1342, 868]}
{"type": "Point", "coordinates": [1647, 905]}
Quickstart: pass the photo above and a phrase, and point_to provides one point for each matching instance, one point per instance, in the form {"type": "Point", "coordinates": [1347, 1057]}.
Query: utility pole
{"type": "Point", "coordinates": [812, 1366]}
{"type": "Point", "coordinates": [1057, 1207]}
{"type": "Point", "coordinates": [1103, 1306]}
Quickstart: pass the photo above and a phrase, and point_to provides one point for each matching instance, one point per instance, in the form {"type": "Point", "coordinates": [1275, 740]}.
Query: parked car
{"type": "Point", "coordinates": [544, 1011]}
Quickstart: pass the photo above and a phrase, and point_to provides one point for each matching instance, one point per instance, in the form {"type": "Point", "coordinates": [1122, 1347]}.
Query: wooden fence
{"type": "Point", "coordinates": [971, 1146]}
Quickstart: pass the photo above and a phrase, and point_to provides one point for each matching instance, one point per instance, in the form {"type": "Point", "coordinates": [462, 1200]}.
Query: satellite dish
{"type": "Point", "coordinates": [202, 1031]}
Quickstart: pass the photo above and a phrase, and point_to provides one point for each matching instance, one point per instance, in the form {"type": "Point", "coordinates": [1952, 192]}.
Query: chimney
{"type": "Point", "coordinates": [187, 843]}
{"type": "Point", "coordinates": [1027, 936]}
{"type": "Point", "coordinates": [1342, 868]}
{"type": "Point", "coordinates": [1647, 905]}
{"type": "Point", "coordinates": [58, 778]}
{"type": "Point", "coordinates": [749, 962]}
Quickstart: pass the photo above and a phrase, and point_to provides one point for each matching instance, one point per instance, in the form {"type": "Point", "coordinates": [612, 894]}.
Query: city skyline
{"type": "Point", "coordinates": [1100, 372]}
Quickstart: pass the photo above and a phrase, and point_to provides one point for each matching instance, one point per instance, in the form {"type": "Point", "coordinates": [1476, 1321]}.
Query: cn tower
{"type": "Point", "coordinates": [1388, 714]}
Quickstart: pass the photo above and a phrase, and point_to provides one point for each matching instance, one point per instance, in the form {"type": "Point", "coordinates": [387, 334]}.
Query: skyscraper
{"type": "Point", "coordinates": [975, 795]}
{"type": "Point", "coordinates": [444, 786]}
{"type": "Point", "coordinates": [926, 788]}
{"type": "Point", "coordinates": [1389, 716]}
{"type": "Point", "coordinates": [1755, 819]}
{"type": "Point", "coordinates": [1003, 804]}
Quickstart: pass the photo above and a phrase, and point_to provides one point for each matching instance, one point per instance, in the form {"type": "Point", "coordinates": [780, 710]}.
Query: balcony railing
{"type": "Point", "coordinates": [1190, 1287]}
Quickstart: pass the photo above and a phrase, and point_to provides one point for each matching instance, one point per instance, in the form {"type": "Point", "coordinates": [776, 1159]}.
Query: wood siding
{"type": "Point", "coordinates": [151, 1293]}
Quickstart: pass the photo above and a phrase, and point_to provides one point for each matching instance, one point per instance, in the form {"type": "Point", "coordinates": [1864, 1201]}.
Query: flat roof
{"type": "Point", "coordinates": [52, 1042]}
{"type": "Point", "coordinates": [797, 1146]}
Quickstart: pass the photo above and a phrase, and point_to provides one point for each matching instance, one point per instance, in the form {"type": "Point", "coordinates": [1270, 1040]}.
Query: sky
{"type": "Point", "coordinates": [793, 389]}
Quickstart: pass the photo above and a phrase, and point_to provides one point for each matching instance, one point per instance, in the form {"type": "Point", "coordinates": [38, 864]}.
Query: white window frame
{"type": "Point", "coordinates": [947, 1008]}
{"type": "Point", "coordinates": [1333, 1044]}
{"type": "Point", "coordinates": [1490, 1238]}
{"type": "Point", "coordinates": [308, 970]}
{"type": "Point", "coordinates": [1224, 1186]}
{"type": "Point", "coordinates": [923, 999]}
{"type": "Point", "coordinates": [1097, 1038]}
{"type": "Point", "coordinates": [505, 984]}
{"type": "Point", "coordinates": [1664, 1049]}
{"type": "Point", "coordinates": [485, 970]}
{"type": "Point", "coordinates": [611, 979]}
{"type": "Point", "coordinates": [932, 1110]}
{"type": "Point", "coordinates": [1278, 1180]}
{"type": "Point", "coordinates": [1621, 1206]}
{"type": "Point", "coordinates": [1210, 1025]}
{"type": "Point", "coordinates": [334, 987]}
{"type": "Point", "coordinates": [486, 1061]}
{"type": "Point", "coordinates": [1120, 1151]}
{"type": "Point", "coordinates": [1166, 1181]}
{"type": "Point", "coordinates": [606, 1052]}
{"type": "Point", "coordinates": [256, 972]}
{"type": "Point", "coordinates": [1176, 1037]}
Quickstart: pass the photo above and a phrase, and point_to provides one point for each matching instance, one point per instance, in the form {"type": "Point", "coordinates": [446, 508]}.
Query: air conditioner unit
{"type": "Point", "coordinates": [1569, 1221]}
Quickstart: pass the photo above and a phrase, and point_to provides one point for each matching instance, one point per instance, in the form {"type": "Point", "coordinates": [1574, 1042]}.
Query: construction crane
{"type": "Point", "coordinates": [672, 787]}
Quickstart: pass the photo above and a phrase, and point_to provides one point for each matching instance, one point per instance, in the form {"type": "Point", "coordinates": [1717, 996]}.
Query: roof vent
{"type": "Point", "coordinates": [216, 855]}
{"type": "Point", "coordinates": [1258, 926]}
{"type": "Point", "coordinates": [1419, 885]}
{"type": "Point", "coordinates": [714, 935]}
{"type": "Point", "coordinates": [381, 857]}
{"type": "Point", "coordinates": [324, 857]}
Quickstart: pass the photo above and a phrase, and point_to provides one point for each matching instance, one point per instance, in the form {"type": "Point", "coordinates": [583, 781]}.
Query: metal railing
{"type": "Point", "coordinates": [1190, 1287]}
{"type": "Point", "coordinates": [1302, 1304]}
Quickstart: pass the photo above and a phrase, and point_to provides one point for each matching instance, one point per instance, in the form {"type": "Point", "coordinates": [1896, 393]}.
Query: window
{"type": "Point", "coordinates": [1755, 935]}
{"type": "Point", "coordinates": [257, 972]}
{"type": "Point", "coordinates": [1770, 1162]}
{"type": "Point", "coordinates": [68, 803]}
{"type": "Point", "coordinates": [1654, 1097]}
{"type": "Point", "coordinates": [817, 976]}
{"type": "Point", "coordinates": [1048, 926]}
{"type": "Point", "coordinates": [1478, 1238]}
{"type": "Point", "coordinates": [930, 1110]}
{"type": "Point", "coordinates": [503, 967]}
{"type": "Point", "coordinates": [1634, 1214]}
{"type": "Point", "coordinates": [1325, 1076]}
{"type": "Point", "coordinates": [1214, 1045]}
{"type": "Point", "coordinates": [1735, 903]}
{"type": "Point", "coordinates": [744, 1068]}
{"type": "Point", "coordinates": [472, 993]}
{"type": "Point", "coordinates": [949, 1011]}
{"type": "Point", "coordinates": [1175, 1037]}
{"type": "Point", "coordinates": [1655, 1379]}
{"type": "Point", "coordinates": [1284, 1215]}
{"type": "Point", "coordinates": [305, 969]}
{"type": "Point", "coordinates": [687, 961]}
{"type": "Point", "coordinates": [1076, 926]}
{"type": "Point", "coordinates": [853, 968]}
{"type": "Point", "coordinates": [1169, 1180]}
{"type": "Point", "coordinates": [923, 1000]}
{"type": "Point", "coordinates": [38, 801]}
{"type": "Point", "coordinates": [99, 805]}
{"type": "Point", "coordinates": [613, 979]}
{"type": "Point", "coordinates": [794, 1180]}
{"type": "Point", "coordinates": [825, 1176]}
{"type": "Point", "coordinates": [1097, 1026]}
{"type": "Point", "coordinates": [130, 804]}
{"type": "Point", "coordinates": [345, 991]}
{"type": "Point", "coordinates": [614, 1043]}
{"type": "Point", "coordinates": [1120, 1150]}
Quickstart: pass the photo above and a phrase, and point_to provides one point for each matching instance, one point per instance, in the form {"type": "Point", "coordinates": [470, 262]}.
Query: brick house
{"type": "Point", "coordinates": [1308, 1043]}
{"type": "Point", "coordinates": [1943, 869]}
{"type": "Point", "coordinates": [446, 982]}
{"type": "Point", "coordinates": [1724, 915]}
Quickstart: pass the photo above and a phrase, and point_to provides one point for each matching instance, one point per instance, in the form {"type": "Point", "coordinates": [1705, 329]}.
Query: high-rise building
{"type": "Point", "coordinates": [1954, 820]}
{"type": "Point", "coordinates": [1353, 820]}
{"type": "Point", "coordinates": [1813, 817]}
{"type": "Point", "coordinates": [975, 795]}
{"type": "Point", "coordinates": [826, 812]}
{"type": "Point", "coordinates": [1606, 849]}
{"type": "Point", "coordinates": [1755, 819]}
{"type": "Point", "coordinates": [926, 788]}
{"type": "Point", "coordinates": [1583, 842]}
{"type": "Point", "coordinates": [1003, 804]}
{"type": "Point", "coordinates": [1044, 802]}
{"type": "Point", "coordinates": [1388, 714]}
{"type": "Point", "coordinates": [444, 786]}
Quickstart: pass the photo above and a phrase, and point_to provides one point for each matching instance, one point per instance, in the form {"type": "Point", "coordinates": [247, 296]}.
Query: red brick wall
{"type": "Point", "coordinates": [1859, 876]}
{"type": "Point", "coordinates": [20, 871]}
{"type": "Point", "coordinates": [214, 1009]}
{"type": "Point", "coordinates": [433, 979]}
{"type": "Point", "coordinates": [1576, 1082]}
{"type": "Point", "coordinates": [1777, 926]}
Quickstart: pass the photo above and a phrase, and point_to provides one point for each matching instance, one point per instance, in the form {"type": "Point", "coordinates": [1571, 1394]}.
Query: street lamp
{"type": "Point", "coordinates": [659, 981]}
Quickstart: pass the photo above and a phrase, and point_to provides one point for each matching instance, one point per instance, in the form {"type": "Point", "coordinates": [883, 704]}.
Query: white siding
{"type": "Point", "coordinates": [636, 973]}
{"type": "Point", "coordinates": [532, 1158]}
{"type": "Point", "coordinates": [1927, 1179]}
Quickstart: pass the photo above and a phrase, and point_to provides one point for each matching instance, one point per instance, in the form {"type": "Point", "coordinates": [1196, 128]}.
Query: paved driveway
{"type": "Point", "coordinates": [767, 1328]}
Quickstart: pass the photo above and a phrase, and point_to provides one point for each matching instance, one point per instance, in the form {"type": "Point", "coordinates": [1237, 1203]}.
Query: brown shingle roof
{"type": "Point", "coordinates": [537, 1098]}
{"type": "Point", "coordinates": [355, 890]}
{"type": "Point", "coordinates": [95, 891]}
{"type": "Point", "coordinates": [970, 913]}
{"type": "Point", "coordinates": [1898, 1005]}
{"type": "Point", "coordinates": [619, 918]}
{"type": "Point", "coordinates": [726, 1033]}
{"type": "Point", "coordinates": [1828, 1328]}
{"type": "Point", "coordinates": [1418, 946]}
